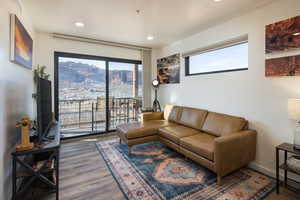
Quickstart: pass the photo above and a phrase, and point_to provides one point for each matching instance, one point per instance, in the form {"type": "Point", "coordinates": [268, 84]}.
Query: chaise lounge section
{"type": "Point", "coordinates": [221, 143]}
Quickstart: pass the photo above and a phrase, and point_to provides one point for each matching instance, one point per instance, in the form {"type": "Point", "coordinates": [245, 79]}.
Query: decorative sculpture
{"type": "Point", "coordinates": [25, 124]}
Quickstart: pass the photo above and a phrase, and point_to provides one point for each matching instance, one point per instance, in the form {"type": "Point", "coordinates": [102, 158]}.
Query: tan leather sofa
{"type": "Point", "coordinates": [220, 142]}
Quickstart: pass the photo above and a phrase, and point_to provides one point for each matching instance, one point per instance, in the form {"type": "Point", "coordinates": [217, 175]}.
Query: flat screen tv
{"type": "Point", "coordinates": [44, 108]}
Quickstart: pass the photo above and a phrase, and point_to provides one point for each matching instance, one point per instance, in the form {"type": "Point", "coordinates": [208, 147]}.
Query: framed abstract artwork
{"type": "Point", "coordinates": [283, 36]}
{"type": "Point", "coordinates": [285, 66]}
{"type": "Point", "coordinates": [168, 69]}
{"type": "Point", "coordinates": [21, 44]}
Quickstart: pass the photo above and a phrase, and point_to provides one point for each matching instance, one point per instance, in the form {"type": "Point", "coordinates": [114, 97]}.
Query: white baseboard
{"type": "Point", "coordinates": [264, 170]}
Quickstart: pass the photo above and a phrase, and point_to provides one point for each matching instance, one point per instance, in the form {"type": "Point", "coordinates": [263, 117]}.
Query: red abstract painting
{"type": "Point", "coordinates": [286, 66]}
{"type": "Point", "coordinates": [283, 35]}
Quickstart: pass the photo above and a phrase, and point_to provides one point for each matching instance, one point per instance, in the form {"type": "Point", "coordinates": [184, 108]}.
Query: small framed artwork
{"type": "Point", "coordinates": [283, 36]}
{"type": "Point", "coordinates": [21, 44]}
{"type": "Point", "coordinates": [284, 66]}
{"type": "Point", "coordinates": [168, 69]}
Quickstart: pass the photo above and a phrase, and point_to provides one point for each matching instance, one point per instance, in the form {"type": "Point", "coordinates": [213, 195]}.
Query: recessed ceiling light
{"type": "Point", "coordinates": [79, 24]}
{"type": "Point", "coordinates": [218, 0]}
{"type": "Point", "coordinates": [150, 37]}
{"type": "Point", "coordinates": [295, 34]}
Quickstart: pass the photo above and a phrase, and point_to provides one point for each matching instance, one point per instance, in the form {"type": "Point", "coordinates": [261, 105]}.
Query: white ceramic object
{"type": "Point", "coordinates": [293, 163]}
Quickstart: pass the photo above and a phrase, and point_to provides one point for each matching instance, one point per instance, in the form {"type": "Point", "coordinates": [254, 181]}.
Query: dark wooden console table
{"type": "Point", "coordinates": [26, 171]}
{"type": "Point", "coordinates": [286, 148]}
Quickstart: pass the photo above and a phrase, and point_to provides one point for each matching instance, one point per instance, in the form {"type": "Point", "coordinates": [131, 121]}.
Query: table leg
{"type": "Point", "coordinates": [277, 171]}
{"type": "Point", "coordinates": [14, 179]}
{"type": "Point", "coordinates": [285, 171]}
{"type": "Point", "coordinates": [57, 174]}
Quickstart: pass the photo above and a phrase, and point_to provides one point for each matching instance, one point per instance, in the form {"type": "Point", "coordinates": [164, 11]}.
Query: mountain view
{"type": "Point", "coordinates": [86, 81]}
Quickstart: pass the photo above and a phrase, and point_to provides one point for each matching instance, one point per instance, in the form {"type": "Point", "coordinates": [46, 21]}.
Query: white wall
{"type": "Point", "coordinates": [261, 100]}
{"type": "Point", "coordinates": [16, 88]}
{"type": "Point", "coordinates": [47, 45]}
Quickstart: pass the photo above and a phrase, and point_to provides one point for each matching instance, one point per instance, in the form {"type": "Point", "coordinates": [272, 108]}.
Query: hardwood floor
{"type": "Point", "coordinates": [84, 175]}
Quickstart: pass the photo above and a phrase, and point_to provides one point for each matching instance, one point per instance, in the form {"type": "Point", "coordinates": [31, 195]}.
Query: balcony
{"type": "Point", "coordinates": [88, 116]}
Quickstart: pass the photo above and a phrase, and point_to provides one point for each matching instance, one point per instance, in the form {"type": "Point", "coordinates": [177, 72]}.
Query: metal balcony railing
{"type": "Point", "coordinates": [89, 115]}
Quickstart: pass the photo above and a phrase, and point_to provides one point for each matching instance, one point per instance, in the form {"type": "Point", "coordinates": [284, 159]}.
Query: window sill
{"type": "Point", "coordinates": [216, 72]}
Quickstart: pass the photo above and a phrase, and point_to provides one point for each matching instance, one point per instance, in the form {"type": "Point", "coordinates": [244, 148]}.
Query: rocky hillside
{"type": "Point", "coordinates": [80, 72]}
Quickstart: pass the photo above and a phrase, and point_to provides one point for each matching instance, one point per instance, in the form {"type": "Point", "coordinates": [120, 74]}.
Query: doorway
{"type": "Point", "coordinates": [94, 94]}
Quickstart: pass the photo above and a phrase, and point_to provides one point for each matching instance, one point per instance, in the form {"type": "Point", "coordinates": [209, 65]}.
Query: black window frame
{"type": "Point", "coordinates": [187, 61]}
{"type": "Point", "coordinates": [57, 55]}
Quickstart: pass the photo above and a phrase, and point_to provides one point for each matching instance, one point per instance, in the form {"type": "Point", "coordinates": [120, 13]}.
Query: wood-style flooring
{"type": "Point", "coordinates": [84, 175]}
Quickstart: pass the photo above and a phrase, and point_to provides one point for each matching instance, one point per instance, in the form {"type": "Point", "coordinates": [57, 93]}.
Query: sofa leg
{"type": "Point", "coordinates": [219, 180]}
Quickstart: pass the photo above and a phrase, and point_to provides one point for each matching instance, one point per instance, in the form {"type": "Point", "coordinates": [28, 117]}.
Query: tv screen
{"type": "Point", "coordinates": [44, 107]}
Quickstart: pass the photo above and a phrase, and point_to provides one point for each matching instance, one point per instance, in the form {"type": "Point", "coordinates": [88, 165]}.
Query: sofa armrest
{"type": "Point", "coordinates": [234, 151]}
{"type": "Point", "coordinates": [152, 116]}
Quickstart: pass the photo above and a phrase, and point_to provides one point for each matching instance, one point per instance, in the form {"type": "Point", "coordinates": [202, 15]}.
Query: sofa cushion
{"type": "Point", "coordinates": [172, 112]}
{"type": "Point", "coordinates": [192, 117]}
{"type": "Point", "coordinates": [174, 133]}
{"type": "Point", "coordinates": [147, 116]}
{"type": "Point", "coordinates": [142, 129]}
{"type": "Point", "coordinates": [201, 143]}
{"type": "Point", "coordinates": [221, 124]}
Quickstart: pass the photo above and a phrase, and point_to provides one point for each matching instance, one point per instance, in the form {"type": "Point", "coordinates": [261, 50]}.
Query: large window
{"type": "Point", "coordinates": [94, 94]}
{"type": "Point", "coordinates": [233, 57]}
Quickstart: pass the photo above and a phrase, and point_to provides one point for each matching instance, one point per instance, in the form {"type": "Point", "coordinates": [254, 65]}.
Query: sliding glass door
{"type": "Point", "coordinates": [95, 94]}
{"type": "Point", "coordinates": [125, 92]}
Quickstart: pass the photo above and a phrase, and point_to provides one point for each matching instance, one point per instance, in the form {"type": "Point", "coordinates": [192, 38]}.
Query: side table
{"type": "Point", "coordinates": [37, 164]}
{"type": "Point", "coordinates": [286, 148]}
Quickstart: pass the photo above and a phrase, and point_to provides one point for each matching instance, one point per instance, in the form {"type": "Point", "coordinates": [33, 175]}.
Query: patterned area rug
{"type": "Point", "coordinates": [154, 172]}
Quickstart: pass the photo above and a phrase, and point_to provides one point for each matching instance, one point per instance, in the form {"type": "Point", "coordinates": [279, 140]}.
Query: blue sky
{"type": "Point", "coordinates": [223, 59]}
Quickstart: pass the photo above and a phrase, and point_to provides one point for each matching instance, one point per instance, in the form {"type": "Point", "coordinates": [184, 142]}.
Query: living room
{"type": "Point", "coordinates": [151, 99]}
